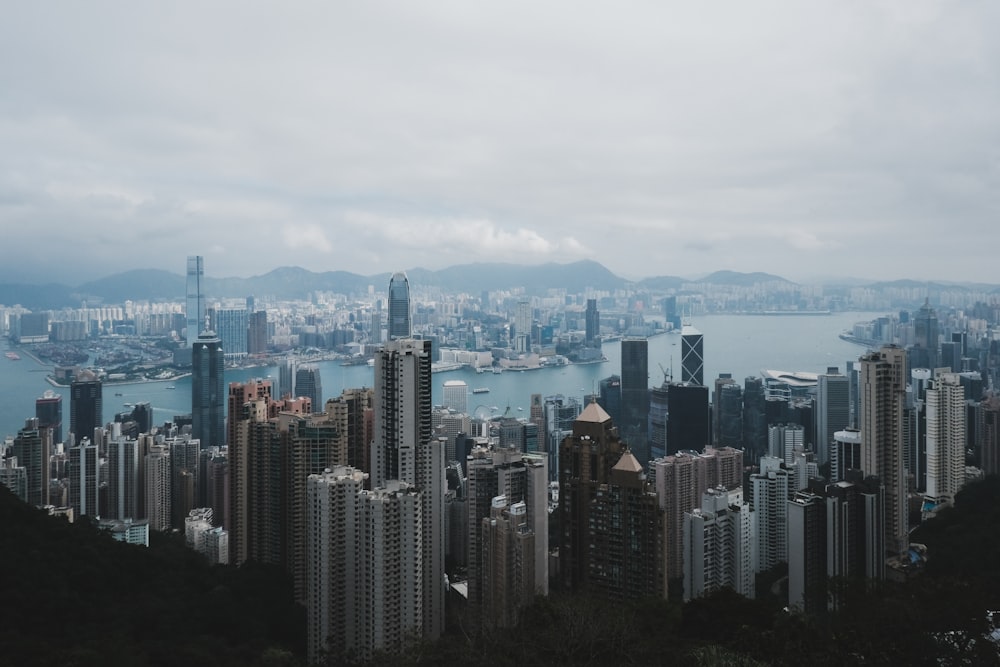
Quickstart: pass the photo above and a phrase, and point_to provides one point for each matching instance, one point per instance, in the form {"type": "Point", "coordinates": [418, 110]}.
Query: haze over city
{"type": "Point", "coordinates": [810, 141]}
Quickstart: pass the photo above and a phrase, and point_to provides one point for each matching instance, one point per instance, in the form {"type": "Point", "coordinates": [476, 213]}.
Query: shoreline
{"type": "Point", "coordinates": [120, 383]}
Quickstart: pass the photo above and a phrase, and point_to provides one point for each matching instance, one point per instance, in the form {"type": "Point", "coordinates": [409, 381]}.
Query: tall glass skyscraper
{"type": "Point", "coordinates": [308, 384]}
{"type": "Point", "coordinates": [635, 396]}
{"type": "Point", "coordinates": [232, 327]}
{"type": "Point", "coordinates": [692, 356]}
{"type": "Point", "coordinates": [195, 298]}
{"type": "Point", "coordinates": [208, 391]}
{"type": "Point", "coordinates": [399, 306]}
{"type": "Point", "coordinates": [85, 405]}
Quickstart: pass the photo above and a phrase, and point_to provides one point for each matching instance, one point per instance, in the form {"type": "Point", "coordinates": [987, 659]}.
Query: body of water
{"type": "Point", "coordinates": [739, 344]}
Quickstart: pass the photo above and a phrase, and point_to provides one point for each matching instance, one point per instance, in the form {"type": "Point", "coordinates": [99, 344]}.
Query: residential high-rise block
{"type": "Point", "coordinates": [680, 481]}
{"type": "Point", "coordinates": [456, 395]}
{"type": "Point", "coordinates": [195, 310]}
{"type": "Point", "coordinates": [33, 447]}
{"type": "Point", "coordinates": [405, 449]}
{"type": "Point", "coordinates": [770, 494]}
{"type": "Point", "coordinates": [364, 572]}
{"type": "Point", "coordinates": [124, 480]}
{"type": "Point", "coordinates": [158, 488]}
{"type": "Point", "coordinates": [883, 399]}
{"type": "Point", "coordinates": [185, 462]}
{"type": "Point", "coordinates": [692, 356]}
{"type": "Point", "coordinates": [508, 563]}
{"type": "Point", "coordinates": [351, 413]}
{"type": "Point", "coordinates": [208, 391]}
{"type": "Point", "coordinates": [946, 438]}
{"type": "Point", "coordinates": [718, 546]}
{"type": "Point", "coordinates": [85, 405]}
{"type": "Point", "coordinates": [833, 410]}
{"type": "Point", "coordinates": [585, 459]}
{"type": "Point", "coordinates": [626, 558]}
{"type": "Point", "coordinates": [83, 470]}
{"type": "Point", "coordinates": [400, 323]}
{"type": "Point", "coordinates": [518, 477]}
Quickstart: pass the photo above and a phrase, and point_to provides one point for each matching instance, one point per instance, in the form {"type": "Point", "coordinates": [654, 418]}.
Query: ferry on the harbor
{"type": "Point", "coordinates": [13, 356]}
{"type": "Point", "coordinates": [481, 390]}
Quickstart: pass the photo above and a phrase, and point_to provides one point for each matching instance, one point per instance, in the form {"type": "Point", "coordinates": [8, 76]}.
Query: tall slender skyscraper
{"type": "Point", "coordinates": [83, 468]}
{"type": "Point", "coordinates": [32, 447]}
{"type": "Point", "coordinates": [592, 322]}
{"type": "Point", "coordinates": [208, 391]}
{"type": "Point", "coordinates": [195, 298]}
{"type": "Point", "coordinates": [85, 405]}
{"type": "Point", "coordinates": [946, 426]}
{"type": "Point", "coordinates": [833, 410]}
{"type": "Point", "coordinates": [883, 399]}
{"type": "Point", "coordinates": [400, 325]}
{"type": "Point", "coordinates": [692, 356]}
{"type": "Point", "coordinates": [635, 396]}
{"type": "Point", "coordinates": [404, 449]}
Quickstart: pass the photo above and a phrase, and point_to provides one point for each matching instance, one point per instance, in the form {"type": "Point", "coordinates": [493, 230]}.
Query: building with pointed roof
{"type": "Point", "coordinates": [612, 526]}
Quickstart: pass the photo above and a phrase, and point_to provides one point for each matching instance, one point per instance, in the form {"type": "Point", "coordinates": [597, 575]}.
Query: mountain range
{"type": "Point", "coordinates": [296, 283]}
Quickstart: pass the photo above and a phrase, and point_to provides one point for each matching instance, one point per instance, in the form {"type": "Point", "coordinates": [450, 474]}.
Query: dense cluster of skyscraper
{"type": "Point", "coordinates": [382, 507]}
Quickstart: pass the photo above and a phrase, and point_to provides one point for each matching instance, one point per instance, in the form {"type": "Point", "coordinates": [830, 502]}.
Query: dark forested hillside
{"type": "Point", "coordinates": [73, 596]}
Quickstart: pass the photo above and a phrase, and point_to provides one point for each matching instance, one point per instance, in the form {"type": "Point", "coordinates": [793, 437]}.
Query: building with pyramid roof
{"type": "Point", "coordinates": [611, 542]}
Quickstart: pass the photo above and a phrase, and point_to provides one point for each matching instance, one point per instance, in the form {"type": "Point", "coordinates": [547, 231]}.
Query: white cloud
{"type": "Point", "coordinates": [653, 137]}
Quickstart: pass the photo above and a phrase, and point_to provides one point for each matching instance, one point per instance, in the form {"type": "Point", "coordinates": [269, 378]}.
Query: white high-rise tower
{"type": "Point", "coordinates": [945, 438]}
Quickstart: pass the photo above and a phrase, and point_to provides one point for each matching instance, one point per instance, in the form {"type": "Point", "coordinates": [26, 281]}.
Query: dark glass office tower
{"type": "Point", "coordinates": [85, 405]}
{"type": "Point", "coordinates": [208, 394]}
{"type": "Point", "coordinates": [48, 411]}
{"type": "Point", "coordinates": [308, 384]}
{"type": "Point", "coordinates": [399, 306]}
{"type": "Point", "coordinates": [687, 417]}
{"type": "Point", "coordinates": [592, 323]}
{"type": "Point", "coordinates": [635, 396]}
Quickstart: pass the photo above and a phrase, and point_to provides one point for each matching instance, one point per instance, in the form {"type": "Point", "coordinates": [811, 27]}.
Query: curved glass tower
{"type": "Point", "coordinates": [399, 306]}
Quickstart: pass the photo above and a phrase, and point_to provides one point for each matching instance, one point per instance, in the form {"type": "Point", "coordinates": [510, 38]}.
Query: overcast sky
{"type": "Point", "coordinates": [807, 139]}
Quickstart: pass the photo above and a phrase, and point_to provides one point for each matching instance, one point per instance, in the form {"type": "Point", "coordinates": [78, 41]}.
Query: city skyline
{"type": "Point", "coordinates": [641, 136]}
